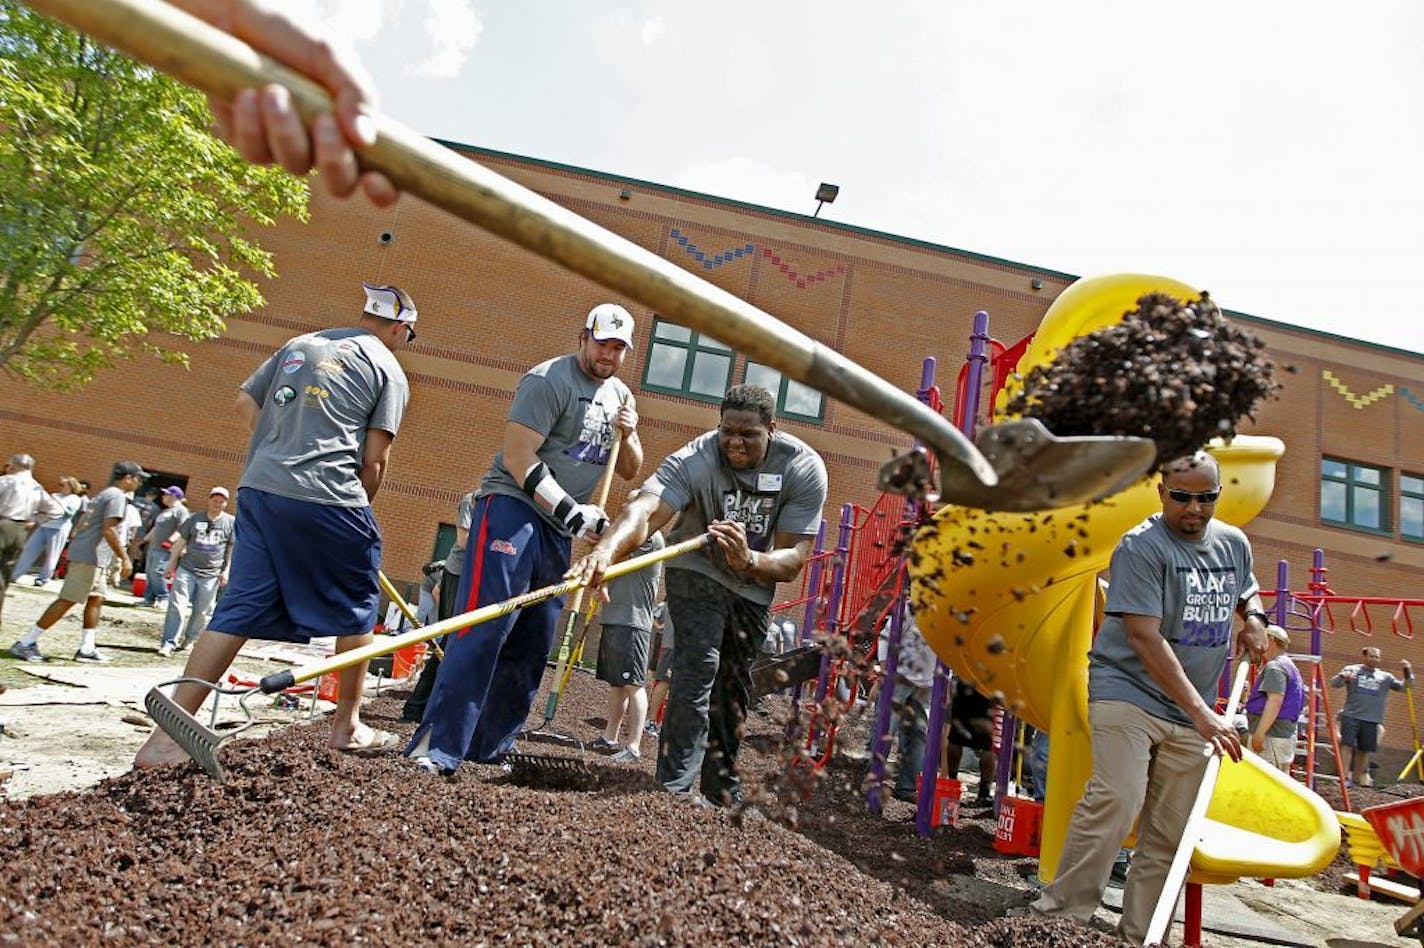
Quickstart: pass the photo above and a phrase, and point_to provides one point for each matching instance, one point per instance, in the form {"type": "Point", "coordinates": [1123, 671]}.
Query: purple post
{"type": "Point", "coordinates": [966, 417]}
{"type": "Point", "coordinates": [880, 739]}
{"type": "Point", "coordinates": [1318, 561]}
{"type": "Point", "coordinates": [833, 605]}
{"type": "Point", "coordinates": [813, 585]}
{"type": "Point", "coordinates": [1282, 592]}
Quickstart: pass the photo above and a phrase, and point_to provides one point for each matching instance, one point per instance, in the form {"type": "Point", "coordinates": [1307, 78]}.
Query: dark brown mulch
{"type": "Point", "coordinates": [303, 845]}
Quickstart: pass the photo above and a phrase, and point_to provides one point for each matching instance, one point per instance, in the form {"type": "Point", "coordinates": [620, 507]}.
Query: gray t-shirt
{"type": "Point", "coordinates": [1364, 697]}
{"type": "Point", "coordinates": [784, 495]}
{"type": "Point", "coordinates": [663, 614]}
{"type": "Point", "coordinates": [1274, 680]}
{"type": "Point", "coordinates": [575, 414]}
{"type": "Point", "coordinates": [207, 543]}
{"type": "Point", "coordinates": [89, 533]}
{"type": "Point", "coordinates": [167, 523]}
{"type": "Point", "coordinates": [1194, 588]}
{"type": "Point", "coordinates": [464, 514]}
{"type": "Point", "coordinates": [318, 395]}
{"type": "Point", "coordinates": [631, 596]}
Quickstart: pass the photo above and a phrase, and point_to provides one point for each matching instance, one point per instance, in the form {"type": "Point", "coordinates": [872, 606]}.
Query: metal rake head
{"type": "Point", "coordinates": [199, 741]}
{"type": "Point", "coordinates": [551, 772]}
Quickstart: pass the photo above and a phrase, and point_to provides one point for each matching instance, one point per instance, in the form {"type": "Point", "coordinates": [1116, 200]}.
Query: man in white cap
{"type": "Point", "coordinates": [84, 581]}
{"type": "Point", "coordinates": [323, 411]}
{"type": "Point", "coordinates": [199, 564]}
{"type": "Point", "coordinates": [530, 506]}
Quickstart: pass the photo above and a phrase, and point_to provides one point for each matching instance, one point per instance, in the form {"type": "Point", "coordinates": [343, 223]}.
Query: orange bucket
{"type": "Point", "coordinates": [405, 661]}
{"type": "Point", "coordinates": [1020, 826]}
{"type": "Point", "coordinates": [945, 811]}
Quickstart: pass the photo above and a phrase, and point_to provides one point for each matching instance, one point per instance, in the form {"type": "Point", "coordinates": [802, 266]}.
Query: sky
{"type": "Point", "coordinates": [1267, 151]}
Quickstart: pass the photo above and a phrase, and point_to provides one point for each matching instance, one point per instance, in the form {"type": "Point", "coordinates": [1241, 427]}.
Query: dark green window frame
{"type": "Point", "coordinates": [682, 361]}
{"type": "Point", "coordinates": [1354, 495]}
{"type": "Point", "coordinates": [1411, 506]}
{"type": "Point", "coordinates": [793, 400]}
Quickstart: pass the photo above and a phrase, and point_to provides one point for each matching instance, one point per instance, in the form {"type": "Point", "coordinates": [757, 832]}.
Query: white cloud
{"type": "Point", "coordinates": [454, 28]}
{"type": "Point", "coordinates": [652, 29]}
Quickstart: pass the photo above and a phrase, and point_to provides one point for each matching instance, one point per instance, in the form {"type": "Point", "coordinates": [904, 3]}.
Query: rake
{"type": "Point", "coordinates": [201, 742]}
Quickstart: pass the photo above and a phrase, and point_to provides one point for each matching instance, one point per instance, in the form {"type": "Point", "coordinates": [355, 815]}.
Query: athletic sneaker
{"type": "Point", "coordinates": [627, 755]}
{"type": "Point", "coordinates": [603, 744]}
{"type": "Point", "coordinates": [651, 729]}
{"type": "Point", "coordinates": [95, 656]}
{"type": "Point", "coordinates": [426, 765]}
{"type": "Point", "coordinates": [166, 650]}
{"type": "Point", "coordinates": [27, 653]}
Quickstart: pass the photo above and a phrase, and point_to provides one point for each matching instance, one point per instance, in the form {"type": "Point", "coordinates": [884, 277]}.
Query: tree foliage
{"type": "Point", "coordinates": [123, 222]}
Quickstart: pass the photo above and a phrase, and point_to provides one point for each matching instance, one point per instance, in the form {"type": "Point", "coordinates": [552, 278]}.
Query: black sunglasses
{"type": "Point", "coordinates": [1187, 496]}
{"type": "Point", "coordinates": [409, 333]}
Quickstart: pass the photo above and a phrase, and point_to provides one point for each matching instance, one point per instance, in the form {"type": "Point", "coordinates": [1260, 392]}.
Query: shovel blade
{"type": "Point", "coordinates": [1039, 471]}
{"type": "Point", "coordinates": [199, 742]}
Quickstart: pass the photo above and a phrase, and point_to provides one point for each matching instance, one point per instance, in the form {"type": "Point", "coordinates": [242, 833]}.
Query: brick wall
{"type": "Point", "coordinates": [489, 311]}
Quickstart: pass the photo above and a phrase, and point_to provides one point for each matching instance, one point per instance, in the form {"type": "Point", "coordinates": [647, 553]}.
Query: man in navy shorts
{"type": "Point", "coordinates": [323, 411]}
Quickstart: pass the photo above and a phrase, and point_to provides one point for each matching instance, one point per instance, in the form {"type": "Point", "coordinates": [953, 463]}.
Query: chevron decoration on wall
{"type": "Point", "coordinates": [797, 278]}
{"type": "Point", "coordinates": [709, 263]}
{"type": "Point", "coordinates": [1357, 401]}
{"type": "Point", "coordinates": [1411, 398]}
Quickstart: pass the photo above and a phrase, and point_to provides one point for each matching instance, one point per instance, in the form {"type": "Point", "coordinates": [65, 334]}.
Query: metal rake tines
{"type": "Point", "coordinates": [197, 740]}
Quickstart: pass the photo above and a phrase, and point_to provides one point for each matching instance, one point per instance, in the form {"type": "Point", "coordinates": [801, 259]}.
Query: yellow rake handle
{"type": "Point", "coordinates": [285, 679]}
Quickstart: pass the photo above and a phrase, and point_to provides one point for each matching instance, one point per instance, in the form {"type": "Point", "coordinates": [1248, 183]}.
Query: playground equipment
{"type": "Point", "coordinates": [1400, 828]}
{"type": "Point", "coordinates": [1007, 601]}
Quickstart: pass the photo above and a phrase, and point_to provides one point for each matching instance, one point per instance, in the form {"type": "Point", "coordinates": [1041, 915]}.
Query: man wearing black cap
{"type": "Point", "coordinates": [84, 581]}
{"type": "Point", "coordinates": [323, 411]}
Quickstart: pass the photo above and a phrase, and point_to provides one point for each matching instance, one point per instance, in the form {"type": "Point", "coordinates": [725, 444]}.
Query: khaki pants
{"type": "Point", "coordinates": [1278, 752]}
{"type": "Point", "coordinates": [1140, 763]}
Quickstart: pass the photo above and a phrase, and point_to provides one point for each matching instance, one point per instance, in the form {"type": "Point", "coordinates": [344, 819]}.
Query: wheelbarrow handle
{"type": "Point", "coordinates": [279, 681]}
{"type": "Point", "coordinates": [210, 60]}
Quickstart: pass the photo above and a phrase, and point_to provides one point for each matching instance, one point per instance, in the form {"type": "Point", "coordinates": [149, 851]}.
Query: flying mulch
{"type": "Point", "coordinates": [1178, 373]}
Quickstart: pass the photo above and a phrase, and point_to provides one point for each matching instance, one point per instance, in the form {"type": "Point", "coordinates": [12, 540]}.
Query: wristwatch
{"type": "Point", "coordinates": [1265, 617]}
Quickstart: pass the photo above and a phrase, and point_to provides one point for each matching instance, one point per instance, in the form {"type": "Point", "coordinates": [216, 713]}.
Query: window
{"type": "Point", "coordinates": [1411, 506]}
{"type": "Point", "coordinates": [793, 400]}
{"type": "Point", "coordinates": [683, 362]}
{"type": "Point", "coordinates": [1351, 495]}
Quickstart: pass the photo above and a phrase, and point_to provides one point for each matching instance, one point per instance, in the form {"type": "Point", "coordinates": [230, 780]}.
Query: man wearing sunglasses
{"type": "Point", "coordinates": [1179, 579]}
{"type": "Point", "coordinates": [323, 411]}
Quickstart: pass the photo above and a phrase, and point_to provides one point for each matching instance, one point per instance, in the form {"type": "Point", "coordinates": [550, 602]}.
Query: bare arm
{"type": "Point", "coordinates": [1144, 635]}
{"type": "Point", "coordinates": [374, 461]}
{"type": "Point", "coordinates": [1253, 629]}
{"type": "Point", "coordinates": [640, 517]}
{"type": "Point", "coordinates": [1269, 712]}
{"type": "Point", "coordinates": [782, 563]}
{"type": "Point", "coordinates": [630, 455]}
{"type": "Point", "coordinates": [521, 449]}
{"type": "Point", "coordinates": [175, 553]}
{"type": "Point", "coordinates": [247, 410]}
{"type": "Point", "coordinates": [111, 537]}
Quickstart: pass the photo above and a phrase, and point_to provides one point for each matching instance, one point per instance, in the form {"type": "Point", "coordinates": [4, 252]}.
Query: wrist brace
{"type": "Point", "coordinates": [550, 496]}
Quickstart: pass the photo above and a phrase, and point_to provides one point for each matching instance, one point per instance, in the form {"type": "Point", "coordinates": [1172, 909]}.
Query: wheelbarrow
{"type": "Point", "coordinates": [1400, 828]}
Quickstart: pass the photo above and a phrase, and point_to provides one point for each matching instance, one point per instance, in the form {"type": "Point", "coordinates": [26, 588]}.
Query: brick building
{"type": "Point", "coordinates": [1352, 480]}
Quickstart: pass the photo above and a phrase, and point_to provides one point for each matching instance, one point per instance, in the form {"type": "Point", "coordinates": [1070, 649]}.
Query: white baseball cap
{"type": "Point", "coordinates": [219, 491]}
{"type": "Point", "coordinates": [389, 302]}
{"type": "Point", "coordinates": [608, 321]}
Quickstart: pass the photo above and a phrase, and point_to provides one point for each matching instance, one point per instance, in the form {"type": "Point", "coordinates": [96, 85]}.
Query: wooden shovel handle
{"type": "Point", "coordinates": [220, 65]}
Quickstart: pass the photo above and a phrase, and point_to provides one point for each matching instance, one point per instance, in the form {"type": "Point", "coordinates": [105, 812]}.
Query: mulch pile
{"type": "Point", "coordinates": [1175, 371]}
{"type": "Point", "coordinates": [304, 845]}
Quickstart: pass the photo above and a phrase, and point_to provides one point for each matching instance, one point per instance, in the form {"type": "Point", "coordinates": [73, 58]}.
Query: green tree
{"type": "Point", "coordinates": [125, 227]}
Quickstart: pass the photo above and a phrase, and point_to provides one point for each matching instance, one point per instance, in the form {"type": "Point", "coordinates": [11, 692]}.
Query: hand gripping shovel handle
{"type": "Point", "coordinates": [1191, 833]}
{"type": "Point", "coordinates": [220, 65]}
{"type": "Point", "coordinates": [279, 681]}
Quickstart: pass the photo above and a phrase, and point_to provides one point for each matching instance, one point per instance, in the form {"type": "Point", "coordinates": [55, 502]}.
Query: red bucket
{"type": "Point", "coordinates": [945, 811]}
{"type": "Point", "coordinates": [1020, 826]}
{"type": "Point", "coordinates": [140, 583]}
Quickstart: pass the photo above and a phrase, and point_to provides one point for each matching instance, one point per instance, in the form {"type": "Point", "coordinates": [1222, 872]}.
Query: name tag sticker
{"type": "Point", "coordinates": [768, 482]}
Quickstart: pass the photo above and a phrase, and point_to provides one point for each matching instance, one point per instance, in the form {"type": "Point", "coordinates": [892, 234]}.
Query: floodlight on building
{"type": "Point", "coordinates": [825, 194]}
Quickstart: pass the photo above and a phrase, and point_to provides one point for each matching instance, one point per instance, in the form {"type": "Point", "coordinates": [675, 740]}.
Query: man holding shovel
{"type": "Point", "coordinates": [1178, 578]}
{"type": "Point", "coordinates": [531, 505]}
{"type": "Point", "coordinates": [759, 493]}
{"type": "Point", "coordinates": [323, 411]}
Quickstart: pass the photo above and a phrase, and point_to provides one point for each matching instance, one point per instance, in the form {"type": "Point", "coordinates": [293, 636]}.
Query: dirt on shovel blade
{"type": "Point", "coordinates": [306, 845]}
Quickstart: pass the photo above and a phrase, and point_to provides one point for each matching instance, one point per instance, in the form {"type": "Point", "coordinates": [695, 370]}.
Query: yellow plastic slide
{"type": "Point", "coordinates": [1007, 600]}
